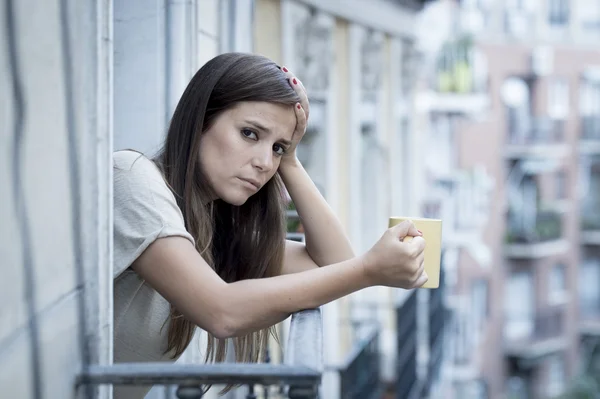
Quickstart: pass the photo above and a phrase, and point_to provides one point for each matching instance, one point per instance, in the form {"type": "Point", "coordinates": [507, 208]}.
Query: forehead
{"type": "Point", "coordinates": [278, 118]}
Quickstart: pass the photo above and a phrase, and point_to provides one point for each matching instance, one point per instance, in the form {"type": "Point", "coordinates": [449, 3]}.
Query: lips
{"type": "Point", "coordinates": [255, 183]}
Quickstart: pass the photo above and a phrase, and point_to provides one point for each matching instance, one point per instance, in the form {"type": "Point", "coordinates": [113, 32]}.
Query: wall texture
{"type": "Point", "coordinates": [54, 195]}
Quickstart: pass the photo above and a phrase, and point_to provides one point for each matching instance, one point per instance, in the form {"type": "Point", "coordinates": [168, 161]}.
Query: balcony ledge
{"type": "Point", "coordinates": [536, 250]}
{"type": "Point", "coordinates": [590, 237]}
{"type": "Point", "coordinates": [529, 351]}
{"type": "Point", "coordinates": [590, 327]}
{"type": "Point", "coordinates": [532, 150]}
{"type": "Point", "coordinates": [453, 103]}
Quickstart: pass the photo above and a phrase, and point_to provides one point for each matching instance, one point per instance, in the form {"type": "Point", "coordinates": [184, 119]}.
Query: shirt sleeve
{"type": "Point", "coordinates": [144, 209]}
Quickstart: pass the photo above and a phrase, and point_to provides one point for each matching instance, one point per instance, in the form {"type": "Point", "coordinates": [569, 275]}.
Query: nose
{"type": "Point", "coordinates": [263, 159]}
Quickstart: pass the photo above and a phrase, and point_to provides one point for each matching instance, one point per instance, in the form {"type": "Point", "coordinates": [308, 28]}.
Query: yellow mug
{"type": "Point", "coordinates": [432, 233]}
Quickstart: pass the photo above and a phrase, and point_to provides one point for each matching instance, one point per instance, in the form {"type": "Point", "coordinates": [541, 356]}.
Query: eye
{"type": "Point", "coordinates": [249, 134]}
{"type": "Point", "coordinates": [279, 150]}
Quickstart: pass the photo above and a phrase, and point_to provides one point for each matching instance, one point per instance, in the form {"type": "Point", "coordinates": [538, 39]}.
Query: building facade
{"type": "Point", "coordinates": [512, 98]}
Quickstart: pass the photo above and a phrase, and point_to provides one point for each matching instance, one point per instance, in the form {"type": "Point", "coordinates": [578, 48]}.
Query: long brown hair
{"type": "Point", "coordinates": [238, 242]}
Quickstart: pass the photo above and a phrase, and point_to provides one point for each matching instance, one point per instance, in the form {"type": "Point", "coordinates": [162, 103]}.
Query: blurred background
{"type": "Point", "coordinates": [483, 113]}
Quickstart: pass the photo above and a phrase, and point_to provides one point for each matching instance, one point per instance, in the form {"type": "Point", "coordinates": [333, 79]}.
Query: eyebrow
{"type": "Point", "coordinates": [259, 126]}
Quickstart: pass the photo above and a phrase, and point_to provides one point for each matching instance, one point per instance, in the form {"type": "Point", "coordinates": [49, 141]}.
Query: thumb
{"type": "Point", "coordinates": [406, 228]}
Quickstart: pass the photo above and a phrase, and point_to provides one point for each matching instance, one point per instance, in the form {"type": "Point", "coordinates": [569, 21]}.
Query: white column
{"type": "Point", "coordinates": [139, 74]}
{"type": "Point", "coordinates": [180, 52]}
{"type": "Point", "coordinates": [104, 146]}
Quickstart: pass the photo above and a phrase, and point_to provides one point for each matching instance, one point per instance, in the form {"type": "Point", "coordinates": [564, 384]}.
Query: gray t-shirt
{"type": "Point", "coordinates": [144, 210]}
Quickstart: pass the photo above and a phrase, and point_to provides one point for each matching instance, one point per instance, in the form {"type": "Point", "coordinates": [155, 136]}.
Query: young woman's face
{"type": "Point", "coordinates": [242, 149]}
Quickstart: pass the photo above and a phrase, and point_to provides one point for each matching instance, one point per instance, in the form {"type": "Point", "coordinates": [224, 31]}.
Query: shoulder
{"type": "Point", "coordinates": [132, 163]}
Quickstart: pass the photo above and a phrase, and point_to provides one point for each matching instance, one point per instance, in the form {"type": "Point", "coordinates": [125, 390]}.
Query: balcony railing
{"type": "Point", "coordinates": [300, 375]}
{"type": "Point", "coordinates": [590, 220]}
{"type": "Point", "coordinates": [542, 131]}
{"type": "Point", "coordinates": [408, 384]}
{"type": "Point", "coordinates": [438, 320]}
{"type": "Point", "coordinates": [359, 374]}
{"type": "Point", "coordinates": [546, 336]}
{"type": "Point", "coordinates": [547, 227]}
{"type": "Point", "coordinates": [589, 311]}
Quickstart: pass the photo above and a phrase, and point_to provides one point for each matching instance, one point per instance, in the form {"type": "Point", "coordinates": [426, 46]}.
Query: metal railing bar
{"type": "Point", "coordinates": [191, 374]}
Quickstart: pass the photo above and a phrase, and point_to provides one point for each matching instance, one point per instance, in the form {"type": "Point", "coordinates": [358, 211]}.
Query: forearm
{"type": "Point", "coordinates": [326, 242]}
{"type": "Point", "coordinates": [250, 305]}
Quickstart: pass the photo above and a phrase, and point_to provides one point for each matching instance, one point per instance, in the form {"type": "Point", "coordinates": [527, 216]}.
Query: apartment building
{"type": "Point", "coordinates": [513, 101]}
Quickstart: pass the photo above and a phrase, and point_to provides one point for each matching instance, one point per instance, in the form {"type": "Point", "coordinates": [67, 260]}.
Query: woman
{"type": "Point", "coordinates": [199, 231]}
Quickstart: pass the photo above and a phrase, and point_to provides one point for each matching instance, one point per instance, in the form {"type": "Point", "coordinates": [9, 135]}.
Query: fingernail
{"type": "Point", "coordinates": [298, 106]}
{"type": "Point", "coordinates": [420, 232]}
{"type": "Point", "coordinates": [284, 69]}
{"type": "Point", "coordinates": [295, 81]}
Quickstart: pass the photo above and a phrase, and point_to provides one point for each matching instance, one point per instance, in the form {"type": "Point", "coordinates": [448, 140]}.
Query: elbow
{"type": "Point", "coordinates": [223, 331]}
{"type": "Point", "coordinates": [225, 325]}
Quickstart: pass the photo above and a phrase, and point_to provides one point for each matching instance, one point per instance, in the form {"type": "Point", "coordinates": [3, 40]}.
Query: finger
{"type": "Point", "coordinates": [413, 231]}
{"type": "Point", "coordinates": [300, 119]}
{"type": "Point", "coordinates": [401, 229]}
{"type": "Point", "coordinates": [419, 243]}
{"type": "Point", "coordinates": [307, 105]}
{"type": "Point", "coordinates": [420, 269]}
{"type": "Point", "coordinates": [298, 86]}
{"type": "Point", "coordinates": [422, 280]}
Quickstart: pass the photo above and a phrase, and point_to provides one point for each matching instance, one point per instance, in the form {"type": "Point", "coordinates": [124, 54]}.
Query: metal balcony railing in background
{"type": "Point", "coordinates": [407, 384]}
{"type": "Point", "coordinates": [547, 227]}
{"type": "Point", "coordinates": [548, 324]}
{"type": "Point", "coordinates": [590, 218]}
{"type": "Point", "coordinates": [538, 131]}
{"type": "Point", "coordinates": [438, 320]}
{"type": "Point", "coordinates": [300, 373]}
{"type": "Point", "coordinates": [590, 127]}
{"type": "Point", "coordinates": [360, 372]}
{"type": "Point", "coordinates": [456, 70]}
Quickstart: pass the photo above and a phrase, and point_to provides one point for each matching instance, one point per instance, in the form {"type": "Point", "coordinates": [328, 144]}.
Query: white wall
{"type": "Point", "coordinates": [56, 237]}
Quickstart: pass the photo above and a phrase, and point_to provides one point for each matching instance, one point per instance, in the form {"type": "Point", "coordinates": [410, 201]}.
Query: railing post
{"type": "Point", "coordinates": [305, 348]}
{"type": "Point", "coordinates": [251, 394]}
{"type": "Point", "coordinates": [189, 392]}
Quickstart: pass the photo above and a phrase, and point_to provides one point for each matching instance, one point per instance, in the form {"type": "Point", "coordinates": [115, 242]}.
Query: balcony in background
{"type": "Point", "coordinates": [408, 385]}
{"type": "Point", "coordinates": [589, 316]}
{"type": "Point", "coordinates": [546, 336]}
{"type": "Point", "coordinates": [590, 135]}
{"type": "Point", "coordinates": [590, 226]}
{"type": "Point", "coordinates": [458, 82]}
{"type": "Point", "coordinates": [541, 238]}
{"type": "Point", "coordinates": [544, 138]}
{"type": "Point", "coordinates": [299, 377]}
{"type": "Point", "coordinates": [359, 373]}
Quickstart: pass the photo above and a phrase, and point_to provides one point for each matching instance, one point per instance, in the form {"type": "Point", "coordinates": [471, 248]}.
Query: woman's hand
{"type": "Point", "coordinates": [302, 110]}
{"type": "Point", "coordinates": [394, 263]}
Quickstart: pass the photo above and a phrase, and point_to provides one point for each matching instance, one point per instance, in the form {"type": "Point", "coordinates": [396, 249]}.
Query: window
{"type": "Point", "coordinates": [558, 12]}
{"type": "Point", "coordinates": [558, 99]}
{"type": "Point", "coordinates": [561, 185]}
{"type": "Point", "coordinates": [519, 306]}
{"type": "Point", "coordinates": [589, 291]}
{"type": "Point", "coordinates": [479, 306]}
{"type": "Point", "coordinates": [591, 20]}
{"type": "Point", "coordinates": [519, 17]}
{"type": "Point", "coordinates": [557, 284]}
{"type": "Point", "coordinates": [555, 376]}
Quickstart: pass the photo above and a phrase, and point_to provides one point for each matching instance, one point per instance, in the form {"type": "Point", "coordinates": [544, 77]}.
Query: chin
{"type": "Point", "coordinates": [235, 199]}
